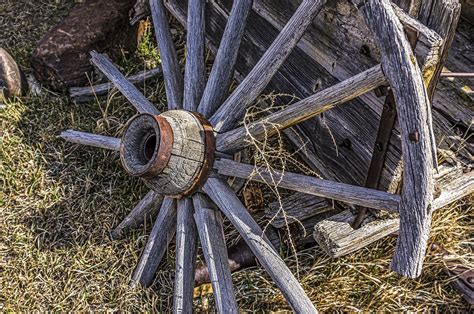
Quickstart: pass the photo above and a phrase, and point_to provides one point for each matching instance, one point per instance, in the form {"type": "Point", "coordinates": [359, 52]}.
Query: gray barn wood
{"type": "Point", "coordinates": [146, 208]}
{"type": "Point", "coordinates": [194, 72]}
{"type": "Point", "coordinates": [186, 250]}
{"type": "Point", "coordinates": [336, 236]}
{"type": "Point", "coordinates": [140, 102]}
{"type": "Point", "coordinates": [89, 139]}
{"type": "Point", "coordinates": [209, 221]}
{"type": "Point", "coordinates": [233, 209]}
{"type": "Point", "coordinates": [357, 195]}
{"type": "Point", "coordinates": [162, 233]}
{"type": "Point", "coordinates": [169, 59]}
{"type": "Point", "coordinates": [88, 93]}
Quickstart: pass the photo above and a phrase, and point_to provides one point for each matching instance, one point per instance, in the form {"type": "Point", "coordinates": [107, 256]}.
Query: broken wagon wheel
{"type": "Point", "coordinates": [181, 159]}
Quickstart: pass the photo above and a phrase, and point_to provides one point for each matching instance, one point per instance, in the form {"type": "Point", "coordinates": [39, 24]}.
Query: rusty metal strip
{"type": "Point", "coordinates": [165, 147]}
{"type": "Point", "coordinates": [208, 161]}
{"type": "Point", "coordinates": [387, 122]}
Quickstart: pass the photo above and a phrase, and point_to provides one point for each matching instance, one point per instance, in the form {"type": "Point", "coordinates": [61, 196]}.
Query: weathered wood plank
{"type": "Point", "coordinates": [302, 110]}
{"type": "Point", "coordinates": [169, 59]}
{"type": "Point", "coordinates": [336, 236]}
{"type": "Point", "coordinates": [147, 207]}
{"type": "Point", "coordinates": [211, 233]}
{"type": "Point", "coordinates": [297, 207]}
{"type": "Point", "coordinates": [88, 93]}
{"type": "Point", "coordinates": [324, 188]}
{"type": "Point", "coordinates": [233, 109]}
{"type": "Point", "coordinates": [233, 209]}
{"type": "Point", "coordinates": [136, 98]}
{"type": "Point", "coordinates": [223, 67]}
{"type": "Point", "coordinates": [194, 76]}
{"type": "Point", "coordinates": [442, 16]}
{"type": "Point", "coordinates": [186, 249]}
{"type": "Point", "coordinates": [162, 233]}
{"type": "Point", "coordinates": [90, 139]}
{"type": "Point", "coordinates": [403, 73]}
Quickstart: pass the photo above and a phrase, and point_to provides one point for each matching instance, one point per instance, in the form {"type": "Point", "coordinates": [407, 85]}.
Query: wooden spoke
{"type": "Point", "coordinates": [90, 139]}
{"type": "Point", "coordinates": [230, 205]}
{"type": "Point", "coordinates": [402, 71]}
{"type": "Point", "coordinates": [233, 109]}
{"type": "Point", "coordinates": [169, 58]}
{"type": "Point", "coordinates": [307, 108]}
{"type": "Point", "coordinates": [194, 74]}
{"type": "Point", "coordinates": [136, 98]}
{"type": "Point", "coordinates": [160, 236]}
{"type": "Point", "coordinates": [211, 233]}
{"type": "Point", "coordinates": [148, 206]}
{"type": "Point", "coordinates": [86, 93]}
{"type": "Point", "coordinates": [186, 247]}
{"type": "Point", "coordinates": [297, 182]}
{"type": "Point", "coordinates": [223, 67]}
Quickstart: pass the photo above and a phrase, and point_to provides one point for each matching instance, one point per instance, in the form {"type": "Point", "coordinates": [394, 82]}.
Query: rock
{"type": "Point", "coordinates": [12, 81]}
{"type": "Point", "coordinates": [61, 58]}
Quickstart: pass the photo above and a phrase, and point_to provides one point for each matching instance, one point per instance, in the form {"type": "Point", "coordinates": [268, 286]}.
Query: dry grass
{"type": "Point", "coordinates": [58, 202]}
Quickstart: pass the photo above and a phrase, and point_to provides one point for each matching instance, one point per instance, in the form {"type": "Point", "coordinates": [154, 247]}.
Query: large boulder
{"type": "Point", "coordinates": [61, 58]}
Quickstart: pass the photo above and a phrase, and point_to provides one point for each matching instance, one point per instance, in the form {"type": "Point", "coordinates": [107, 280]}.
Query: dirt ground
{"type": "Point", "coordinates": [58, 202]}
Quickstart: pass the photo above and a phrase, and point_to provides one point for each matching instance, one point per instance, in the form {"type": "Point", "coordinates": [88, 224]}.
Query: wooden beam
{"type": "Point", "coordinates": [194, 72]}
{"type": "Point", "coordinates": [88, 93]}
{"type": "Point", "coordinates": [223, 67]}
{"type": "Point", "coordinates": [89, 139]}
{"type": "Point", "coordinates": [169, 59]}
{"type": "Point", "coordinates": [186, 249]}
{"type": "Point", "coordinates": [147, 207]}
{"type": "Point", "coordinates": [233, 109]}
{"type": "Point", "coordinates": [238, 215]}
{"type": "Point", "coordinates": [402, 71]}
{"type": "Point", "coordinates": [209, 222]}
{"type": "Point", "coordinates": [302, 110]}
{"type": "Point", "coordinates": [161, 234]}
{"type": "Point", "coordinates": [337, 238]}
{"type": "Point", "coordinates": [134, 96]}
{"type": "Point", "coordinates": [324, 188]}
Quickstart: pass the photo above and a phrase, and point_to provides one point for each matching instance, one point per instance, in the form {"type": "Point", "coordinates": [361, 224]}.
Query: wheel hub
{"type": "Point", "coordinates": [173, 152]}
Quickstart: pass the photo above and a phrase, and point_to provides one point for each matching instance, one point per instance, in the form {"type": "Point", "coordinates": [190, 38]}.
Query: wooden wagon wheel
{"type": "Point", "coordinates": [183, 157]}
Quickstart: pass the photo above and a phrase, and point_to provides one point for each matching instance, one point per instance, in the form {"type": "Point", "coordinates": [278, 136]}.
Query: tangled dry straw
{"type": "Point", "coordinates": [58, 202]}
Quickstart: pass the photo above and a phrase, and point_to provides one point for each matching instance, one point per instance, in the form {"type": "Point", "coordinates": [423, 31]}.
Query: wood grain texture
{"type": "Point", "coordinates": [336, 236]}
{"type": "Point", "coordinates": [211, 233]}
{"type": "Point", "coordinates": [223, 67]}
{"type": "Point", "coordinates": [146, 208]}
{"type": "Point", "coordinates": [297, 207]}
{"type": "Point", "coordinates": [403, 73]}
{"type": "Point", "coordinates": [89, 139]}
{"type": "Point", "coordinates": [442, 16]}
{"type": "Point", "coordinates": [169, 59]}
{"type": "Point", "coordinates": [324, 188]}
{"type": "Point", "coordinates": [194, 76]}
{"type": "Point", "coordinates": [329, 51]}
{"type": "Point", "coordinates": [302, 110]}
{"type": "Point", "coordinates": [186, 250]}
{"type": "Point", "coordinates": [187, 154]}
{"type": "Point", "coordinates": [88, 93]}
{"type": "Point", "coordinates": [136, 98]}
{"type": "Point", "coordinates": [233, 109]}
{"type": "Point", "coordinates": [238, 215]}
{"type": "Point", "coordinates": [162, 233]}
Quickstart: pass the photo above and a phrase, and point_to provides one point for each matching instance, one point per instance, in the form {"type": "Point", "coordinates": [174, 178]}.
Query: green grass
{"type": "Point", "coordinates": [58, 202]}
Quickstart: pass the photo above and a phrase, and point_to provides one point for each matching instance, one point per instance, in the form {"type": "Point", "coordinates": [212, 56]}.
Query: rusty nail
{"type": "Point", "coordinates": [414, 136]}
